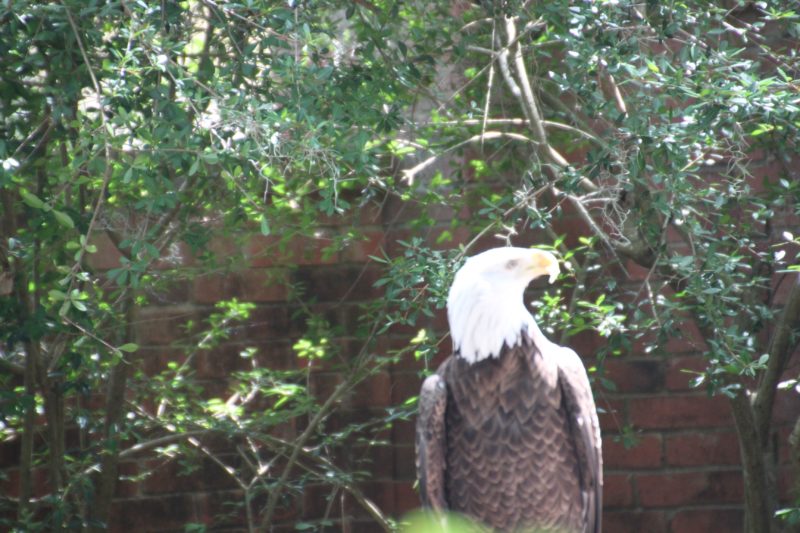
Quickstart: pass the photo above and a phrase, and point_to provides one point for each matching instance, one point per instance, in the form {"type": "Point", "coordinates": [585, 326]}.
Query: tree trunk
{"type": "Point", "coordinates": [106, 481]}
{"type": "Point", "coordinates": [758, 513]}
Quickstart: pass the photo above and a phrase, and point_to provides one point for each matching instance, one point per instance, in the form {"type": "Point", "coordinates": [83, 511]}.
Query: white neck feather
{"type": "Point", "coordinates": [486, 317]}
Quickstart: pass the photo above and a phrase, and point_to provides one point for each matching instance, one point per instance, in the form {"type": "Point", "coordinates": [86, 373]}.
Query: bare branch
{"type": "Point", "coordinates": [321, 414]}
{"type": "Point", "coordinates": [489, 86]}
{"type": "Point", "coordinates": [9, 367]}
{"type": "Point", "coordinates": [411, 173]}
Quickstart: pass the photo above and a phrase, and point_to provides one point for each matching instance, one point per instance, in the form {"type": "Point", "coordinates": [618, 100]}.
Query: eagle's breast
{"type": "Point", "coordinates": [511, 461]}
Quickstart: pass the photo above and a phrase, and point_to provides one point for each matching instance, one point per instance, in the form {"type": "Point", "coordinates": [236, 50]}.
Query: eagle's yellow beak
{"type": "Point", "coordinates": [545, 263]}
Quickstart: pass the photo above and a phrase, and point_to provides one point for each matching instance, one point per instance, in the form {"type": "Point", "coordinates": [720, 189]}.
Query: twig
{"type": "Point", "coordinates": [334, 397]}
{"type": "Point", "coordinates": [9, 367]}
{"type": "Point", "coordinates": [489, 85]}
{"type": "Point", "coordinates": [411, 173]}
{"type": "Point", "coordinates": [106, 147]}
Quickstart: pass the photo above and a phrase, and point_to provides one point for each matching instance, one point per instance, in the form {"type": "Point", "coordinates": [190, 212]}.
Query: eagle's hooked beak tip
{"type": "Point", "coordinates": [547, 264]}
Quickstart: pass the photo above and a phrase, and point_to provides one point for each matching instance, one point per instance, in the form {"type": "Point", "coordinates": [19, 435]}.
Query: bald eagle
{"type": "Point", "coordinates": [507, 431]}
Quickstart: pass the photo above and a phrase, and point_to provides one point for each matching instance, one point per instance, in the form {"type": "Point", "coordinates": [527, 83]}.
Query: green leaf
{"type": "Point", "coordinates": [264, 225]}
{"type": "Point", "coordinates": [63, 219]}
{"type": "Point", "coordinates": [56, 295]}
{"type": "Point", "coordinates": [128, 347]}
{"type": "Point", "coordinates": [31, 199]}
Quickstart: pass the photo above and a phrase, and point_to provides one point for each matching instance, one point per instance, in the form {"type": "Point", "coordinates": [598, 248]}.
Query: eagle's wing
{"type": "Point", "coordinates": [431, 443]}
{"type": "Point", "coordinates": [585, 432]}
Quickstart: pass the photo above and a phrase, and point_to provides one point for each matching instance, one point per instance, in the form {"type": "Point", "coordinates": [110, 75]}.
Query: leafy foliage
{"type": "Point", "coordinates": [666, 131]}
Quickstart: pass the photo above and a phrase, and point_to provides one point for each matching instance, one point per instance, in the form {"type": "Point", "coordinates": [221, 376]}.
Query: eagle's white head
{"type": "Point", "coordinates": [485, 306]}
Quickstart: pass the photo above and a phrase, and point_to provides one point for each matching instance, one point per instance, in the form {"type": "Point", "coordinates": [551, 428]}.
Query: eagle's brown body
{"type": "Point", "coordinates": [513, 440]}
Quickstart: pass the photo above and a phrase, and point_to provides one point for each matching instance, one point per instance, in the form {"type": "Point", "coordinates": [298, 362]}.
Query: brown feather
{"type": "Point", "coordinates": [513, 455]}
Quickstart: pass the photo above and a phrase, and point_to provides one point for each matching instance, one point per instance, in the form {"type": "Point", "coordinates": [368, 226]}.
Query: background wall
{"type": "Point", "coordinates": [670, 450]}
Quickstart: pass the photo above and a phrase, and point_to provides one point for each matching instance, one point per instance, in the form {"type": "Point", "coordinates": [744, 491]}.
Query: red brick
{"type": "Point", "coordinates": [10, 482]}
{"type": "Point", "coordinates": [127, 487]}
{"type": "Point", "coordinates": [389, 344]}
{"type": "Point", "coordinates": [226, 247]}
{"type": "Point", "coordinates": [361, 525]}
{"type": "Point", "coordinates": [705, 520]}
{"type": "Point", "coordinates": [405, 498]}
{"type": "Point", "coordinates": [338, 283]}
{"type": "Point", "coordinates": [788, 484]}
{"type": "Point", "coordinates": [404, 466]}
{"type": "Point", "coordinates": [344, 419]}
{"type": "Point", "coordinates": [373, 392]}
{"type": "Point", "coordinates": [586, 343]}
{"type": "Point", "coordinates": [617, 490]}
{"type": "Point", "coordinates": [107, 255]}
{"type": "Point", "coordinates": [635, 375]}
{"type": "Point", "coordinates": [277, 355]}
{"type": "Point", "coordinates": [646, 453]}
{"type": "Point", "coordinates": [769, 171]}
{"type": "Point", "coordinates": [786, 408]}
{"type": "Point", "coordinates": [689, 488]}
{"type": "Point", "coordinates": [323, 384]}
{"type": "Point", "coordinates": [266, 323]}
{"type": "Point", "coordinates": [162, 325]}
{"type": "Point", "coordinates": [404, 386]}
{"type": "Point", "coordinates": [786, 220]}
{"type": "Point", "coordinates": [636, 272]}
{"type": "Point", "coordinates": [219, 363]}
{"type": "Point", "coordinates": [404, 431]}
{"type": "Point", "coordinates": [784, 447]}
{"type": "Point", "coordinates": [675, 412]}
{"type": "Point", "coordinates": [432, 237]}
{"type": "Point", "coordinates": [682, 370]}
{"type": "Point", "coordinates": [612, 414]}
{"type": "Point", "coordinates": [635, 522]}
{"type": "Point", "coordinates": [571, 226]}
{"type": "Point", "coordinates": [225, 509]}
{"type": "Point", "coordinates": [380, 493]}
{"type": "Point", "coordinates": [397, 211]}
{"type": "Point", "coordinates": [169, 512]}
{"type": "Point", "coordinates": [249, 285]}
{"type": "Point", "coordinates": [173, 291]}
{"type": "Point", "coordinates": [438, 322]}
{"type": "Point", "coordinates": [10, 449]}
{"type": "Point", "coordinates": [702, 448]}
{"type": "Point", "coordinates": [444, 350]}
{"type": "Point", "coordinates": [360, 248]}
{"type": "Point", "coordinates": [376, 460]}
{"type": "Point", "coordinates": [265, 251]}
{"type": "Point", "coordinates": [370, 214]}
{"type": "Point", "coordinates": [171, 477]}
{"type": "Point", "coordinates": [687, 340]}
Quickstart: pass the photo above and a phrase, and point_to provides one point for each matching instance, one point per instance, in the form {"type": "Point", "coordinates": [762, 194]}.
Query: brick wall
{"type": "Point", "coordinates": [681, 475]}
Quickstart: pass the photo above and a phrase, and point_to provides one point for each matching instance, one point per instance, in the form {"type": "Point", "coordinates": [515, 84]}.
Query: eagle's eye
{"type": "Point", "coordinates": [512, 264]}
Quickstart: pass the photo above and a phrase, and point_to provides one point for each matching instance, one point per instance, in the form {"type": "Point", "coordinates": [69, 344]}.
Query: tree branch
{"type": "Point", "coordinates": [9, 367]}
{"type": "Point", "coordinates": [326, 407]}
{"type": "Point", "coordinates": [410, 174]}
{"type": "Point", "coordinates": [779, 355]}
{"type": "Point", "coordinates": [115, 399]}
{"type": "Point", "coordinates": [753, 468]}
